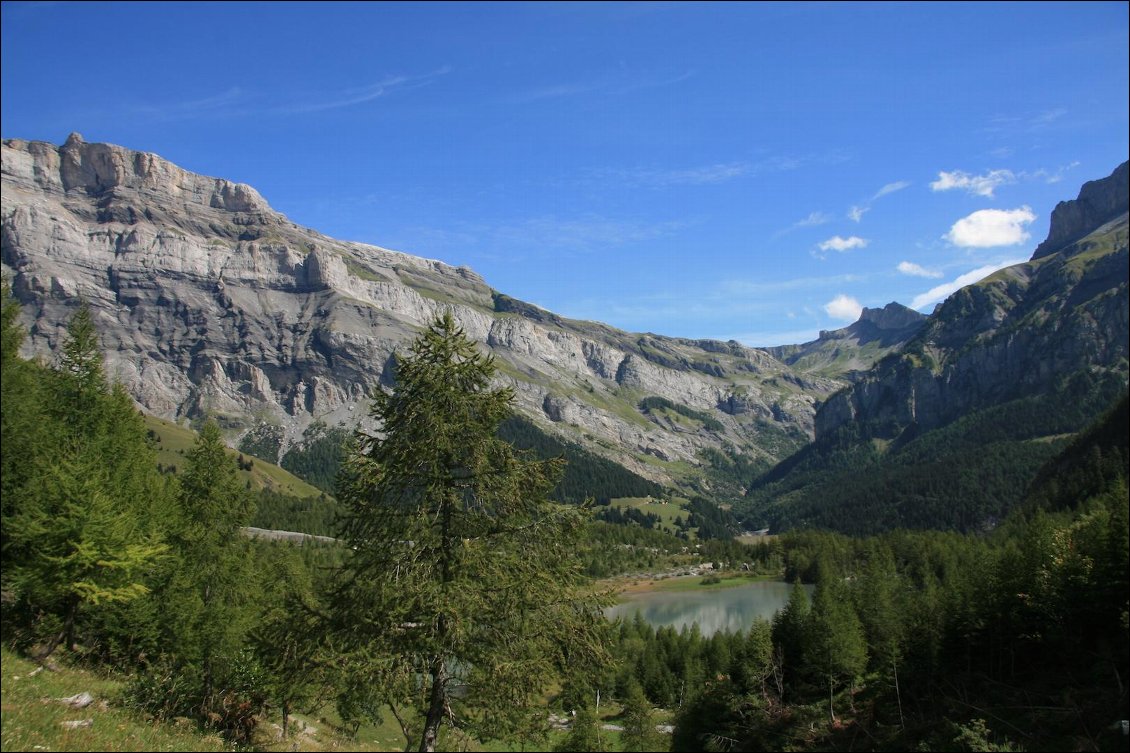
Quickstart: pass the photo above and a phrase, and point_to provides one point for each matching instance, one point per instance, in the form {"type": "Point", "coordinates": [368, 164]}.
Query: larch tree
{"type": "Point", "coordinates": [463, 597]}
{"type": "Point", "coordinates": [81, 538]}
{"type": "Point", "coordinates": [209, 595]}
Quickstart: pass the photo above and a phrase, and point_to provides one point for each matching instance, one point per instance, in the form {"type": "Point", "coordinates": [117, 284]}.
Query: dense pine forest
{"type": "Point", "coordinates": [1014, 638]}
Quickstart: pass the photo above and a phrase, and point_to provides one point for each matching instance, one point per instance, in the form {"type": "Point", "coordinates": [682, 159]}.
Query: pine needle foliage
{"type": "Point", "coordinates": [463, 598]}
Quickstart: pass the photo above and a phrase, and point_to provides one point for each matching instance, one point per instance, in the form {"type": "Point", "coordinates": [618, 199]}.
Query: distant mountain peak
{"type": "Point", "coordinates": [892, 316]}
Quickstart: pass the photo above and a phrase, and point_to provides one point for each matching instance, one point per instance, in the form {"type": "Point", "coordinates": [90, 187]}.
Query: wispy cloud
{"type": "Point", "coordinates": [662, 178]}
{"type": "Point", "coordinates": [843, 307]}
{"type": "Point", "coordinates": [975, 185]}
{"type": "Point", "coordinates": [360, 95]}
{"type": "Point", "coordinates": [813, 219]}
{"type": "Point", "coordinates": [914, 270]}
{"type": "Point", "coordinates": [1050, 176]}
{"type": "Point", "coordinates": [943, 291]}
{"type": "Point", "coordinates": [987, 228]}
{"type": "Point", "coordinates": [224, 102]}
{"type": "Point", "coordinates": [237, 102]}
{"type": "Point", "coordinates": [891, 188]}
{"type": "Point", "coordinates": [617, 83]}
{"type": "Point", "coordinates": [1027, 122]}
{"type": "Point", "coordinates": [1047, 116]}
{"type": "Point", "coordinates": [855, 214]}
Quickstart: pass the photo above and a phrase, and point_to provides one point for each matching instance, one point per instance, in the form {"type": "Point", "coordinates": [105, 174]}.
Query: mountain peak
{"type": "Point", "coordinates": [1099, 202]}
{"type": "Point", "coordinates": [120, 175]}
{"type": "Point", "coordinates": [892, 316]}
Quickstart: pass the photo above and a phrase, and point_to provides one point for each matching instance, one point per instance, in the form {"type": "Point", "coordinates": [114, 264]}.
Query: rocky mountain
{"type": "Point", "coordinates": [948, 430]}
{"type": "Point", "coordinates": [853, 349]}
{"type": "Point", "coordinates": [211, 303]}
{"type": "Point", "coordinates": [1014, 333]}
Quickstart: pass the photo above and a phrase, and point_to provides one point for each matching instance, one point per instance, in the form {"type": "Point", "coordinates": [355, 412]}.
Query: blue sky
{"type": "Point", "coordinates": [755, 172]}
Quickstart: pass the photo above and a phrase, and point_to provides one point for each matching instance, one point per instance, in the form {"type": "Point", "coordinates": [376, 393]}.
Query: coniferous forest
{"type": "Point", "coordinates": [1009, 639]}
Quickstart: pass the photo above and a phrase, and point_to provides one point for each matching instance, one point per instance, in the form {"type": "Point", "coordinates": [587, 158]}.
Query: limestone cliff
{"type": "Point", "coordinates": [210, 302]}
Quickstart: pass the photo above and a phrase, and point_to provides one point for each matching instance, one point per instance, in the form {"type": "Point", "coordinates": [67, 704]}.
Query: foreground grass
{"type": "Point", "coordinates": [33, 716]}
{"type": "Point", "coordinates": [33, 720]}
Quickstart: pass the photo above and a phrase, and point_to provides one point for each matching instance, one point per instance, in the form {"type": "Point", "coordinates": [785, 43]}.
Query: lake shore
{"type": "Point", "coordinates": [628, 586]}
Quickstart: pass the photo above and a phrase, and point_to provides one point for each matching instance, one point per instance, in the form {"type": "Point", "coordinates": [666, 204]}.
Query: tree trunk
{"type": "Point", "coordinates": [898, 693]}
{"type": "Point", "coordinates": [69, 622]}
{"type": "Point", "coordinates": [286, 719]}
{"type": "Point", "coordinates": [436, 706]}
{"type": "Point", "coordinates": [206, 659]}
{"type": "Point", "coordinates": [831, 710]}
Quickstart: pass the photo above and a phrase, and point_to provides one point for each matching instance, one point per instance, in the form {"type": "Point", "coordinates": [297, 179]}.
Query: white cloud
{"type": "Point", "coordinates": [855, 214]}
{"type": "Point", "coordinates": [890, 188]}
{"type": "Point", "coordinates": [843, 307]}
{"type": "Point", "coordinates": [836, 243]}
{"type": "Point", "coordinates": [976, 185]}
{"type": "Point", "coordinates": [914, 270]}
{"type": "Point", "coordinates": [991, 227]}
{"type": "Point", "coordinates": [941, 292]}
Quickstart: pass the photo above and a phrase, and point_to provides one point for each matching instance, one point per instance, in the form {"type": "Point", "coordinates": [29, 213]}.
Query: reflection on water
{"type": "Point", "coordinates": [725, 609]}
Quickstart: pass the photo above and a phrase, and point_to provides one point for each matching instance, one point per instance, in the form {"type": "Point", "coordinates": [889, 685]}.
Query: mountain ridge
{"type": "Point", "coordinates": [210, 302]}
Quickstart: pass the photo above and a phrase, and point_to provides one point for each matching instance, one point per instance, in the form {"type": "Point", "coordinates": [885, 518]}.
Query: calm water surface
{"type": "Point", "coordinates": [729, 609]}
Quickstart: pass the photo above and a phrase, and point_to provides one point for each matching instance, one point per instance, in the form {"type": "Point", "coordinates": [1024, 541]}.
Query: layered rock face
{"type": "Point", "coordinates": [209, 302]}
{"type": "Point", "coordinates": [1013, 334]}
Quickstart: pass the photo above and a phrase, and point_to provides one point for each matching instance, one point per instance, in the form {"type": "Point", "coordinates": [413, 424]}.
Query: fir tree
{"type": "Point", "coordinates": [836, 647]}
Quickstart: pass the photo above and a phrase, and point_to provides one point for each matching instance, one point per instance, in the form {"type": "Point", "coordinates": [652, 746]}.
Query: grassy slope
{"type": "Point", "coordinates": [667, 512]}
{"type": "Point", "coordinates": [176, 440]}
{"type": "Point", "coordinates": [32, 720]}
{"type": "Point", "coordinates": [32, 717]}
